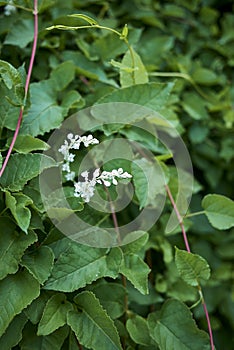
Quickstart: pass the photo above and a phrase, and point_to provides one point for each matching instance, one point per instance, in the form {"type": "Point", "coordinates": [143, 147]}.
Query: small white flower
{"type": "Point", "coordinates": [66, 167]}
{"type": "Point", "coordinates": [70, 176]}
{"type": "Point", "coordinates": [9, 10]}
{"type": "Point", "coordinates": [70, 157]}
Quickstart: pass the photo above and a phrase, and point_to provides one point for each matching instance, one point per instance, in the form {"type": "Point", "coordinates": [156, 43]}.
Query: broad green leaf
{"type": "Point", "coordinates": [139, 332]}
{"type": "Point", "coordinates": [192, 267]}
{"type": "Point", "coordinates": [149, 180]}
{"type": "Point", "coordinates": [52, 341]}
{"type": "Point", "coordinates": [136, 271]}
{"type": "Point", "coordinates": [132, 70]}
{"type": "Point", "coordinates": [10, 75]}
{"type": "Point", "coordinates": [174, 328]}
{"type": "Point", "coordinates": [80, 265]}
{"type": "Point", "coordinates": [45, 112]}
{"type": "Point", "coordinates": [13, 334]}
{"type": "Point", "coordinates": [23, 167]}
{"type": "Point", "coordinates": [39, 263]}
{"type": "Point", "coordinates": [111, 296]}
{"type": "Point", "coordinates": [11, 94]}
{"type": "Point", "coordinates": [93, 327]}
{"type": "Point", "coordinates": [16, 292]}
{"type": "Point", "coordinates": [219, 211]}
{"type": "Point", "coordinates": [54, 315]}
{"type": "Point", "coordinates": [137, 244]}
{"type": "Point", "coordinates": [27, 143]}
{"type": "Point", "coordinates": [35, 310]}
{"type": "Point", "coordinates": [21, 33]}
{"type": "Point", "coordinates": [205, 76]}
{"type": "Point", "coordinates": [195, 106]}
{"type": "Point", "coordinates": [62, 75]}
{"type": "Point", "coordinates": [18, 205]}
{"type": "Point", "coordinates": [87, 68]}
{"type": "Point", "coordinates": [110, 46]}
{"type": "Point", "coordinates": [12, 246]}
{"type": "Point", "coordinates": [152, 95]}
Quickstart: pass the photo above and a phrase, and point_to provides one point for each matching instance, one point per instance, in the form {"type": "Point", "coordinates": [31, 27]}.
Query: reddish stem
{"type": "Point", "coordinates": [180, 219]}
{"type": "Point", "coordinates": [35, 12]}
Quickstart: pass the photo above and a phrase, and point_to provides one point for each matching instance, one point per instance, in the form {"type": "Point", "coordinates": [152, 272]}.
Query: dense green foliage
{"type": "Point", "coordinates": [176, 58]}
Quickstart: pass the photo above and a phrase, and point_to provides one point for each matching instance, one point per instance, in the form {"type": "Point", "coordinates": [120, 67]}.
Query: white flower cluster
{"type": "Point", "coordinates": [85, 189]}
{"type": "Point", "coordinates": [73, 143]}
{"type": "Point", "coordinates": [9, 9]}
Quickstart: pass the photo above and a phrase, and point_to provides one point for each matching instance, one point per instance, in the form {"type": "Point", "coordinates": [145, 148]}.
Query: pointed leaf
{"type": "Point", "coordinates": [136, 271]}
{"type": "Point", "coordinates": [52, 341]}
{"type": "Point", "coordinates": [93, 327]}
{"type": "Point", "coordinates": [21, 33]}
{"type": "Point", "coordinates": [16, 292]}
{"type": "Point", "coordinates": [219, 211]}
{"type": "Point", "coordinates": [139, 332]}
{"type": "Point", "coordinates": [85, 18]}
{"type": "Point", "coordinates": [111, 296]}
{"type": "Point", "coordinates": [174, 328]}
{"type": "Point", "coordinates": [132, 70]}
{"type": "Point", "coordinates": [17, 203]}
{"type": "Point", "coordinates": [39, 263]}
{"type": "Point", "coordinates": [54, 315]}
{"type": "Point", "coordinates": [27, 143]}
{"type": "Point", "coordinates": [13, 334]}
{"type": "Point", "coordinates": [80, 265]}
{"type": "Point", "coordinates": [150, 95]}
{"type": "Point", "coordinates": [192, 267]}
{"type": "Point", "coordinates": [45, 113]}
{"type": "Point", "coordinates": [22, 168]}
{"type": "Point", "coordinates": [12, 246]}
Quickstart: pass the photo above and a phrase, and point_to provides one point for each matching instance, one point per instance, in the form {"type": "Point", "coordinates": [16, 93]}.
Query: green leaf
{"type": "Point", "coordinates": [192, 267]}
{"type": "Point", "coordinates": [39, 263]}
{"type": "Point", "coordinates": [152, 95]}
{"type": "Point", "coordinates": [16, 292]}
{"type": "Point", "coordinates": [27, 144]}
{"type": "Point", "coordinates": [149, 180]}
{"type": "Point", "coordinates": [17, 203]}
{"type": "Point", "coordinates": [35, 310]}
{"type": "Point", "coordinates": [195, 106]}
{"type": "Point", "coordinates": [136, 271]}
{"type": "Point", "coordinates": [52, 341]}
{"type": "Point", "coordinates": [111, 296]}
{"type": "Point", "coordinates": [22, 168]}
{"type": "Point", "coordinates": [62, 75]}
{"type": "Point", "coordinates": [174, 328]}
{"type": "Point", "coordinates": [13, 334]}
{"type": "Point", "coordinates": [137, 244]}
{"type": "Point", "coordinates": [12, 246]}
{"type": "Point", "coordinates": [85, 18]}
{"type": "Point", "coordinates": [204, 76]}
{"type": "Point", "coordinates": [139, 332]}
{"type": "Point", "coordinates": [21, 34]}
{"type": "Point", "coordinates": [80, 265]}
{"type": "Point", "coordinates": [219, 211]}
{"type": "Point", "coordinates": [93, 327]}
{"type": "Point", "coordinates": [54, 315]}
{"type": "Point", "coordinates": [9, 74]}
{"type": "Point", "coordinates": [11, 94]}
{"type": "Point", "coordinates": [132, 70]}
{"type": "Point", "coordinates": [45, 113]}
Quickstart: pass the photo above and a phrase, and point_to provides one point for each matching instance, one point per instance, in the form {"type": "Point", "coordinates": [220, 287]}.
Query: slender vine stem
{"type": "Point", "coordinates": [180, 219]}
{"type": "Point", "coordinates": [20, 118]}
